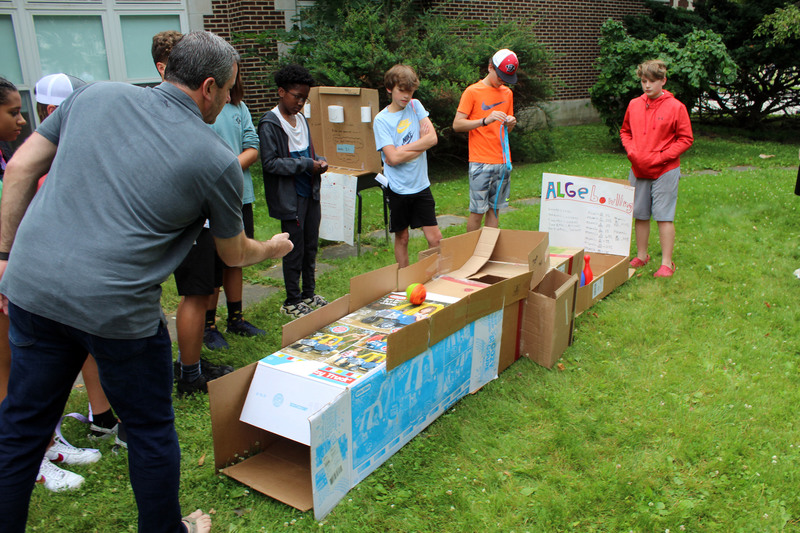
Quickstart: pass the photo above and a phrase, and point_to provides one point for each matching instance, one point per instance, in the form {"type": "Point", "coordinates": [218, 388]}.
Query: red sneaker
{"type": "Point", "coordinates": [638, 263]}
{"type": "Point", "coordinates": [664, 271]}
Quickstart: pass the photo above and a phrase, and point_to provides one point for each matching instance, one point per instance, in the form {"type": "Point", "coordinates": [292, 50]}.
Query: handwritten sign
{"type": "Point", "coordinates": [338, 202]}
{"type": "Point", "coordinates": [592, 214]}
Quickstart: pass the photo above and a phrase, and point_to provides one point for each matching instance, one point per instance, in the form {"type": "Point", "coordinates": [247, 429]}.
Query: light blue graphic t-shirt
{"type": "Point", "coordinates": [399, 129]}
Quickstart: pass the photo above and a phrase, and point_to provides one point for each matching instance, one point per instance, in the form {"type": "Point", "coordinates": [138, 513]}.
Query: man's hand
{"type": "Point", "coordinates": [281, 244]}
{"type": "Point", "coordinates": [241, 251]}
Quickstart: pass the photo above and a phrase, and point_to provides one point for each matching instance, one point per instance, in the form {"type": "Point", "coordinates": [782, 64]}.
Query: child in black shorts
{"type": "Point", "coordinates": [403, 132]}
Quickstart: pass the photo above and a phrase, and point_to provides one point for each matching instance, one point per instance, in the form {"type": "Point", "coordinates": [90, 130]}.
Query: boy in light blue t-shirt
{"type": "Point", "coordinates": [403, 132]}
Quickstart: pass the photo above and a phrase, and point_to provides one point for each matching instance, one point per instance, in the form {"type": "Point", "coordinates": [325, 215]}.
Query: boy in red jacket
{"type": "Point", "coordinates": [655, 132]}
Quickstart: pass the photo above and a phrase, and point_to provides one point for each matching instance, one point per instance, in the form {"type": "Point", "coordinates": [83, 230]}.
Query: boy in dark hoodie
{"type": "Point", "coordinates": [291, 184]}
{"type": "Point", "coordinates": [655, 132]}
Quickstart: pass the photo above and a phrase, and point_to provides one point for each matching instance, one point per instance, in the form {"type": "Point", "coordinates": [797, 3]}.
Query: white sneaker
{"type": "Point", "coordinates": [55, 479]}
{"type": "Point", "coordinates": [62, 452]}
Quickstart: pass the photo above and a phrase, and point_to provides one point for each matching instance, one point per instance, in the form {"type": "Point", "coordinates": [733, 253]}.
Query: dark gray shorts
{"type": "Point", "coordinates": [656, 198]}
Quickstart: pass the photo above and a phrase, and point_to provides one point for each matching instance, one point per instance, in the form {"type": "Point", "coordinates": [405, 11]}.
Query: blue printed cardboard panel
{"type": "Point", "coordinates": [331, 455]}
{"type": "Point", "coordinates": [388, 409]}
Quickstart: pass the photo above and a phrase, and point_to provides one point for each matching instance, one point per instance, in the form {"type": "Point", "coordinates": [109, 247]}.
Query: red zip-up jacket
{"type": "Point", "coordinates": [655, 133]}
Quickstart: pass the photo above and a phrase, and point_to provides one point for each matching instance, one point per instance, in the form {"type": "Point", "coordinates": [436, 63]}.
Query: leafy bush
{"type": "Point", "coordinates": [762, 38]}
{"type": "Point", "coordinates": [694, 65]}
{"type": "Point", "coordinates": [354, 42]}
{"type": "Point", "coordinates": [531, 145]}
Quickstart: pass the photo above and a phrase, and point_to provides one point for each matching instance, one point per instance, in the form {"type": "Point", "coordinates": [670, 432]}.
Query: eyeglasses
{"type": "Point", "coordinates": [299, 97]}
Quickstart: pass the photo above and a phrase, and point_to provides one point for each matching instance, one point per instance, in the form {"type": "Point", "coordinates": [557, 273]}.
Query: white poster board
{"type": "Point", "coordinates": [592, 214]}
{"type": "Point", "coordinates": [338, 203]}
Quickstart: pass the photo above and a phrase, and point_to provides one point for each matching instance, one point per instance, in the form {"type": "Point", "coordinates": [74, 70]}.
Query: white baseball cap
{"type": "Point", "coordinates": [53, 89]}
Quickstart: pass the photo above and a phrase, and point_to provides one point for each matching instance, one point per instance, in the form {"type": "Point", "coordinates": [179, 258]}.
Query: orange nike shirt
{"type": "Point", "coordinates": [477, 102]}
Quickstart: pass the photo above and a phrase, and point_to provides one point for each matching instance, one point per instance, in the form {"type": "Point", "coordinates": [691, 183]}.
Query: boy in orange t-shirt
{"type": "Point", "coordinates": [486, 111]}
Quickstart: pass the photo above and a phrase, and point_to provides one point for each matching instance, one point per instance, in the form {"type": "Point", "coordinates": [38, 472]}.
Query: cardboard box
{"type": "Point", "coordinates": [548, 318]}
{"type": "Point", "coordinates": [345, 430]}
{"type": "Point", "coordinates": [597, 215]}
{"type": "Point", "coordinates": [609, 271]}
{"type": "Point", "coordinates": [567, 260]}
{"type": "Point", "coordinates": [349, 145]}
{"type": "Point", "coordinates": [509, 349]}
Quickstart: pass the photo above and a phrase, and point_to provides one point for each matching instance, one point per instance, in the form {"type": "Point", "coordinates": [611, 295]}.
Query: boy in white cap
{"type": "Point", "coordinates": [51, 91]}
{"type": "Point", "coordinates": [486, 111]}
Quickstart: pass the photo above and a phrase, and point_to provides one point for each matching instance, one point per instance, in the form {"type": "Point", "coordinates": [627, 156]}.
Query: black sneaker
{"type": "Point", "coordinates": [213, 339]}
{"type": "Point", "coordinates": [190, 387]}
{"type": "Point", "coordinates": [244, 328]}
{"type": "Point", "coordinates": [207, 368]}
{"type": "Point", "coordinates": [211, 371]}
{"type": "Point", "coordinates": [295, 310]}
{"type": "Point", "coordinates": [315, 302]}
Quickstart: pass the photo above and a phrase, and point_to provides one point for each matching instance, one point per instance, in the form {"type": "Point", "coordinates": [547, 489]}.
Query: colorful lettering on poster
{"type": "Point", "coordinates": [570, 190]}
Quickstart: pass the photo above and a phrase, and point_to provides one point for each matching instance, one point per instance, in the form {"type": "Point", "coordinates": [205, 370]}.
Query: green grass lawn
{"type": "Point", "coordinates": [676, 408]}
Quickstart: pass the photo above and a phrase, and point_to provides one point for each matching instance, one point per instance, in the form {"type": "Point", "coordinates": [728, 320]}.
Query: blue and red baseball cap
{"type": "Point", "coordinates": [505, 62]}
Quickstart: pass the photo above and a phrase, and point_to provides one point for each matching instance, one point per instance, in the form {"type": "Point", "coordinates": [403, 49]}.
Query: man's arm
{"type": "Point", "coordinates": [241, 251]}
{"type": "Point", "coordinates": [30, 162]}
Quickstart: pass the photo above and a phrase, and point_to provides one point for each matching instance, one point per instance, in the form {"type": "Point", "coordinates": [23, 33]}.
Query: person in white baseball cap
{"type": "Point", "coordinates": [52, 90]}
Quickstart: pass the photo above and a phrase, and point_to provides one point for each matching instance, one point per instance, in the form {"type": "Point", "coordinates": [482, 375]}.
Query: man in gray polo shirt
{"type": "Point", "coordinates": [133, 176]}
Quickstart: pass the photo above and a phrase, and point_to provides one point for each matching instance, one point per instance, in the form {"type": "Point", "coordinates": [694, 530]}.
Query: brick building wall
{"type": "Point", "coordinates": [237, 16]}
{"type": "Point", "coordinates": [569, 29]}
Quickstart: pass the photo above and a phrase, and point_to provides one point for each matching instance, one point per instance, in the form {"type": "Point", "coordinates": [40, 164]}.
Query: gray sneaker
{"type": "Point", "coordinates": [315, 302]}
{"type": "Point", "coordinates": [295, 310]}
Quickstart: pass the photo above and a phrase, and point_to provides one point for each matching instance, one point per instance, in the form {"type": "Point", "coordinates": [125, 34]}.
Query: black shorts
{"type": "Point", "coordinates": [414, 210]}
{"type": "Point", "coordinates": [201, 271]}
{"type": "Point", "coordinates": [247, 218]}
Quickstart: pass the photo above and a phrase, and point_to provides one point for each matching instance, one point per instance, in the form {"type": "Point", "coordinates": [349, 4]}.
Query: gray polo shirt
{"type": "Point", "coordinates": [135, 175]}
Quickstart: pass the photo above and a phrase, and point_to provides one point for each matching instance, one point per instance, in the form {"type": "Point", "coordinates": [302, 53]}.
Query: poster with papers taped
{"type": "Point", "coordinates": [592, 214]}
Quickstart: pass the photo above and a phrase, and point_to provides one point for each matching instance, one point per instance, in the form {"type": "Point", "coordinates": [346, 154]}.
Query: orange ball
{"type": "Point", "coordinates": [416, 293]}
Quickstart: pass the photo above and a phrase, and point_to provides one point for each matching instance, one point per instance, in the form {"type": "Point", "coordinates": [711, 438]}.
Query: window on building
{"type": "Point", "coordinates": [10, 67]}
{"type": "Point", "coordinates": [74, 44]}
{"type": "Point", "coordinates": [137, 38]}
